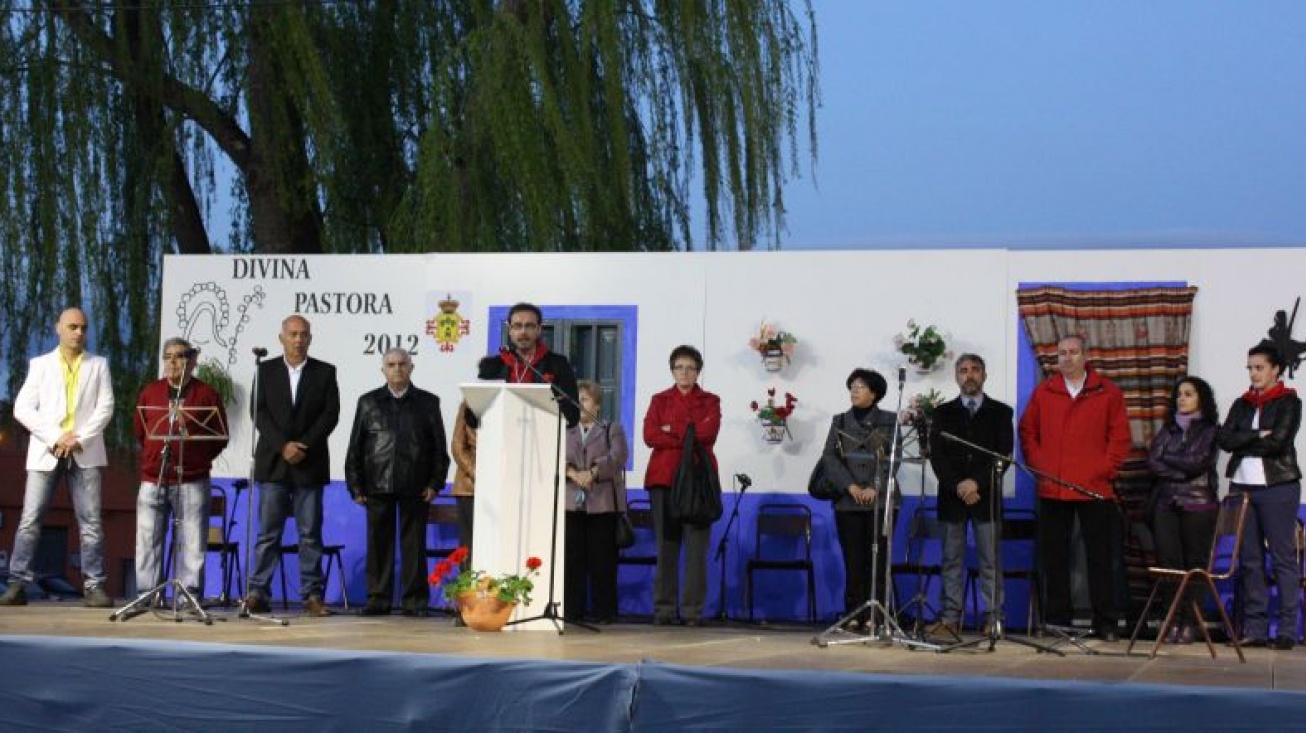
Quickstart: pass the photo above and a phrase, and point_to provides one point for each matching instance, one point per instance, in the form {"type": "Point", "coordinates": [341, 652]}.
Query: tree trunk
{"type": "Point", "coordinates": [283, 206]}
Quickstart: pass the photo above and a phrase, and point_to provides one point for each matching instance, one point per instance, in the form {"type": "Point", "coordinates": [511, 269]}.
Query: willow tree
{"type": "Point", "coordinates": [134, 128]}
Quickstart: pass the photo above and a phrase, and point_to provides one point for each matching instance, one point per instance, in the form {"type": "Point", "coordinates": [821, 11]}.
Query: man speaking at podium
{"type": "Point", "coordinates": [529, 355]}
{"type": "Point", "coordinates": [161, 491]}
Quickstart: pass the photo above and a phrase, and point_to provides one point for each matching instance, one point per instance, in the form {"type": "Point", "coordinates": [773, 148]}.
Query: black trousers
{"type": "Point", "coordinates": [1097, 530]}
{"type": "Point", "coordinates": [1183, 542]}
{"type": "Point", "coordinates": [382, 512]}
{"type": "Point", "coordinates": [857, 537]}
{"type": "Point", "coordinates": [590, 566]}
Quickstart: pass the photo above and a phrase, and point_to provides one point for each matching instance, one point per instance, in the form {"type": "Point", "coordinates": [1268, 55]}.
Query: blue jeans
{"type": "Point", "coordinates": [189, 503]}
{"type": "Point", "coordinates": [84, 488]}
{"type": "Point", "coordinates": [1271, 520]}
{"type": "Point", "coordinates": [954, 570]}
{"type": "Point", "coordinates": [276, 502]}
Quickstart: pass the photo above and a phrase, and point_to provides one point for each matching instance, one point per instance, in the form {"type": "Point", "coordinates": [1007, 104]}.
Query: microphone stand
{"type": "Point", "coordinates": [744, 483]}
{"type": "Point", "coordinates": [997, 467]}
{"type": "Point", "coordinates": [889, 630]}
{"type": "Point", "coordinates": [550, 612]}
{"type": "Point", "coordinates": [242, 610]}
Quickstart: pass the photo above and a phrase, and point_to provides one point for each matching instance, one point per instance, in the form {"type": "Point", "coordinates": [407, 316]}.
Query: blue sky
{"type": "Point", "coordinates": [1056, 124]}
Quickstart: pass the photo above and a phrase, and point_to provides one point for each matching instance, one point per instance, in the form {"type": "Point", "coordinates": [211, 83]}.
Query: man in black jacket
{"type": "Point", "coordinates": [396, 464]}
{"type": "Point", "coordinates": [966, 488]}
{"type": "Point", "coordinates": [528, 355]}
{"type": "Point", "coordinates": [297, 407]}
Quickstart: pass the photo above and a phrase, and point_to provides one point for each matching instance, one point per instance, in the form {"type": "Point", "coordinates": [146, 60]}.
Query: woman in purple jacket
{"type": "Point", "coordinates": [1182, 459]}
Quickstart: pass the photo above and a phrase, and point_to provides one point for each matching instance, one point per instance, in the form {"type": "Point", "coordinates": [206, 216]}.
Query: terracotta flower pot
{"type": "Point", "coordinates": [484, 612]}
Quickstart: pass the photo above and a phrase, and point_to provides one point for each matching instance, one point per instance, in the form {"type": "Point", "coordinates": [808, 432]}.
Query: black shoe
{"type": "Point", "coordinates": [415, 612]}
{"type": "Point", "coordinates": [1283, 643]}
{"type": "Point", "coordinates": [661, 619]}
{"type": "Point", "coordinates": [695, 622]}
{"type": "Point", "coordinates": [374, 609]}
{"type": "Point", "coordinates": [1252, 642]}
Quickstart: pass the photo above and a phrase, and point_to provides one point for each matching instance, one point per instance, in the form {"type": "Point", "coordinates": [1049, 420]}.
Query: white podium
{"type": "Point", "coordinates": [517, 451]}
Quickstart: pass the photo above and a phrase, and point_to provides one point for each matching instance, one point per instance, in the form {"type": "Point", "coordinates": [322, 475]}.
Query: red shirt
{"type": "Point", "coordinates": [197, 455]}
{"type": "Point", "coordinates": [678, 410]}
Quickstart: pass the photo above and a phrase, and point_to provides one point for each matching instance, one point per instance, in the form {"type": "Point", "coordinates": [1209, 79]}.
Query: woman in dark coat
{"type": "Point", "coordinates": [857, 464]}
{"type": "Point", "coordinates": [1182, 461]}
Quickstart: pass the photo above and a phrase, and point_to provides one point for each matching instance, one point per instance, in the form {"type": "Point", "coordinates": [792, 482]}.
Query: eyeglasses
{"type": "Point", "coordinates": [523, 326]}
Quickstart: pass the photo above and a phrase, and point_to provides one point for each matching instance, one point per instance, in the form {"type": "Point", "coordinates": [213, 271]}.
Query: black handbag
{"type": "Point", "coordinates": [696, 493]}
{"type": "Point", "coordinates": [819, 486]}
{"type": "Point", "coordinates": [625, 531]}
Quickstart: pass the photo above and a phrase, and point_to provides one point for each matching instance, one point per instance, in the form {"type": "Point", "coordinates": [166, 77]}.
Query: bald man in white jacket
{"type": "Point", "coordinates": [66, 402]}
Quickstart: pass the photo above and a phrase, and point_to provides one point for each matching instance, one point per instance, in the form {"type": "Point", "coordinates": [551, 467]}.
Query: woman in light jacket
{"type": "Point", "coordinates": [596, 492]}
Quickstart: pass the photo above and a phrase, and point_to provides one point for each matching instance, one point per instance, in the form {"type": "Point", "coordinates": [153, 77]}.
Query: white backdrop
{"type": "Point", "coordinates": [844, 307]}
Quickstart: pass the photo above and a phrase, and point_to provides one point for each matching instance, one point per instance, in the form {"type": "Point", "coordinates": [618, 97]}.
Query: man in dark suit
{"type": "Point", "coordinates": [966, 489]}
{"type": "Point", "coordinates": [298, 406]}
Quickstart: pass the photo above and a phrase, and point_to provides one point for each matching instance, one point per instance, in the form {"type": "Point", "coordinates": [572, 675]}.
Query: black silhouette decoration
{"type": "Point", "coordinates": [1281, 337]}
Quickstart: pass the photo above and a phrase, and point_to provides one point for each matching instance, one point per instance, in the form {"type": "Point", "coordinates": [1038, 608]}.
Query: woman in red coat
{"type": "Point", "coordinates": [669, 416]}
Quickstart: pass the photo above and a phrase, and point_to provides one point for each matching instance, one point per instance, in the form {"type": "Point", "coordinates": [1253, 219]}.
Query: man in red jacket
{"type": "Point", "coordinates": [164, 489]}
{"type": "Point", "coordinates": [1075, 429]}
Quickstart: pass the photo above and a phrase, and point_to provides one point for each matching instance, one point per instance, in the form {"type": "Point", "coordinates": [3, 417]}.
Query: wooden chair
{"type": "Point", "coordinates": [783, 524]}
{"type": "Point", "coordinates": [1228, 529]}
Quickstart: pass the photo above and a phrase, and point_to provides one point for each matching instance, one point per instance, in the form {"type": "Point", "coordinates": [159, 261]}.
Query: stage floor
{"type": "Point", "coordinates": [727, 645]}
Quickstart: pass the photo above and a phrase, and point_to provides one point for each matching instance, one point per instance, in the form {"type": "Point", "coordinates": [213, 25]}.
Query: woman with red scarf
{"type": "Point", "coordinates": [1260, 434]}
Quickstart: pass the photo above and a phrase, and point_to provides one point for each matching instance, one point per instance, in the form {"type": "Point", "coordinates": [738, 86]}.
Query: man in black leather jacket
{"type": "Point", "coordinates": [1260, 432]}
{"type": "Point", "coordinates": [398, 459]}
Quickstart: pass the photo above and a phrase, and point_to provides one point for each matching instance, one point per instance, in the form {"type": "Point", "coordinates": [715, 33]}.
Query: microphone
{"type": "Point", "coordinates": [260, 352]}
{"type": "Point", "coordinates": [504, 350]}
{"type": "Point", "coordinates": [902, 376]}
{"type": "Point", "coordinates": [189, 354]}
{"type": "Point", "coordinates": [744, 480]}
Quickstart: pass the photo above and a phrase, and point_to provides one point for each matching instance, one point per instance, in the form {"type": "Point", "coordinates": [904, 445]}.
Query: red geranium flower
{"type": "Point", "coordinates": [459, 556]}
{"type": "Point", "coordinates": [533, 563]}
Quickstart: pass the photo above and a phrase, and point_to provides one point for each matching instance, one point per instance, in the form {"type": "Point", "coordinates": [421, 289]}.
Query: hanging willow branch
{"type": "Point", "coordinates": [134, 128]}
